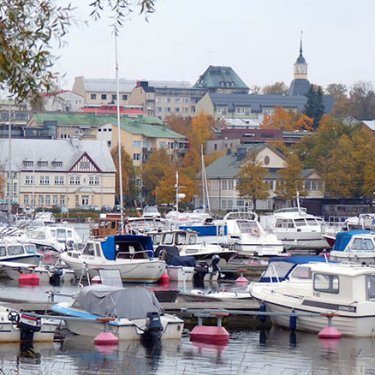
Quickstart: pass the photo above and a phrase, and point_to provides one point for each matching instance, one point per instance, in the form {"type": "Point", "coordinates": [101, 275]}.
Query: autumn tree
{"type": "Point", "coordinates": [314, 107]}
{"type": "Point", "coordinates": [179, 124]}
{"type": "Point", "coordinates": [339, 92]}
{"type": "Point", "coordinates": [368, 187]}
{"type": "Point", "coordinates": [130, 191]}
{"type": "Point", "coordinates": [276, 88]}
{"type": "Point", "coordinates": [28, 30]}
{"type": "Point", "coordinates": [291, 181]}
{"type": "Point", "coordinates": [202, 129]}
{"type": "Point", "coordinates": [362, 101]}
{"type": "Point", "coordinates": [251, 182]}
{"type": "Point", "coordinates": [158, 166]}
{"type": "Point", "coordinates": [2, 185]}
{"type": "Point", "coordinates": [166, 191]}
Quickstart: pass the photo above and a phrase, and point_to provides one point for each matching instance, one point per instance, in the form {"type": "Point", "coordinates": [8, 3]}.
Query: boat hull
{"type": "Point", "coordinates": [135, 270]}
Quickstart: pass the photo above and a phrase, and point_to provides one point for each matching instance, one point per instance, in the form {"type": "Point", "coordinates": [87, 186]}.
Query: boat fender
{"type": "Point", "coordinates": [13, 316]}
{"type": "Point", "coordinates": [262, 308]}
{"type": "Point", "coordinates": [293, 322]}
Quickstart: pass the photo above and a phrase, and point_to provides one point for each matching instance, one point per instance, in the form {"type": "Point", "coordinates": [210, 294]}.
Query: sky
{"type": "Point", "coordinates": [258, 39]}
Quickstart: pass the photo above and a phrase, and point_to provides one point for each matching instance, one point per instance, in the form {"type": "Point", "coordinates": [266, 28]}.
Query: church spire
{"type": "Point", "coordinates": [300, 66]}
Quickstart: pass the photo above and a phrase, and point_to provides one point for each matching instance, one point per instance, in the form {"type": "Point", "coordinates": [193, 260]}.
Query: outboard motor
{"type": "Point", "coordinates": [28, 325]}
{"type": "Point", "coordinates": [215, 265]}
{"type": "Point", "coordinates": [200, 271]}
{"type": "Point", "coordinates": [55, 278]}
{"type": "Point", "coordinates": [152, 334]}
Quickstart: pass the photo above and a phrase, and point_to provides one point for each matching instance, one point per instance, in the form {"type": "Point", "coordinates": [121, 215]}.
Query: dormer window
{"type": "Point", "coordinates": [57, 163]}
{"type": "Point", "coordinates": [42, 163]}
{"type": "Point", "coordinates": [28, 163]}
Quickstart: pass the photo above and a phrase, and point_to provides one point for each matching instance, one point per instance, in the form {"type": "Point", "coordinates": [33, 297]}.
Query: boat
{"type": "Point", "coordinates": [354, 246]}
{"type": "Point", "coordinates": [341, 291]}
{"type": "Point", "coordinates": [132, 255]}
{"type": "Point", "coordinates": [297, 229]}
{"type": "Point", "coordinates": [13, 321]}
{"type": "Point", "coordinates": [13, 249]}
{"type": "Point", "coordinates": [198, 295]}
{"type": "Point", "coordinates": [247, 236]}
{"type": "Point", "coordinates": [187, 244]}
{"type": "Point", "coordinates": [126, 312]}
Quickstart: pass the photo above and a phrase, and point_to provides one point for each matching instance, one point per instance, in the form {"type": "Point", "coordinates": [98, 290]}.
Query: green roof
{"type": "Point", "coordinates": [223, 77]}
{"type": "Point", "coordinates": [147, 126]}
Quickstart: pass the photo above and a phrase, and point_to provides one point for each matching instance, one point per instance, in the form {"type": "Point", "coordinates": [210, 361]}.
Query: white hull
{"type": "Point", "coordinates": [252, 249]}
{"type": "Point", "coordinates": [181, 273]}
{"type": "Point", "coordinates": [302, 240]}
{"type": "Point", "coordinates": [135, 270]}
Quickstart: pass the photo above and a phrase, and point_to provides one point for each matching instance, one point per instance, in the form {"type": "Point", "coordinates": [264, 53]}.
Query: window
{"type": "Point", "coordinates": [103, 96]}
{"type": "Point", "coordinates": [40, 200]}
{"type": "Point", "coordinates": [62, 200]}
{"type": "Point", "coordinates": [57, 164]}
{"type": "Point", "coordinates": [48, 200]}
{"type": "Point", "coordinates": [124, 97]}
{"type": "Point", "coordinates": [137, 144]}
{"type": "Point", "coordinates": [94, 180]}
{"type": "Point", "coordinates": [28, 163]}
{"type": "Point", "coordinates": [227, 184]}
{"type": "Point", "coordinates": [3, 251]}
{"type": "Point", "coordinates": [44, 180]}
{"type": "Point", "coordinates": [26, 200]}
{"type": "Point", "coordinates": [29, 180]}
{"type": "Point", "coordinates": [74, 180]}
{"type": "Point", "coordinates": [55, 200]}
{"type": "Point", "coordinates": [370, 287]}
{"type": "Point", "coordinates": [93, 96]}
{"type": "Point", "coordinates": [136, 156]}
{"type": "Point", "coordinates": [326, 283]}
{"type": "Point", "coordinates": [302, 272]}
{"type": "Point", "coordinates": [84, 165]}
{"type": "Point", "coordinates": [114, 97]}
{"type": "Point", "coordinates": [42, 163]}
{"type": "Point", "coordinates": [163, 144]}
{"type": "Point", "coordinates": [59, 180]}
{"type": "Point", "coordinates": [15, 250]}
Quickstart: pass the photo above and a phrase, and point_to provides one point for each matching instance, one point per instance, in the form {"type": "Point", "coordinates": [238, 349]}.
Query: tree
{"type": "Point", "coordinates": [339, 93]}
{"type": "Point", "coordinates": [314, 106]}
{"type": "Point", "coordinates": [251, 182]}
{"type": "Point", "coordinates": [202, 129]}
{"type": "Point", "coordinates": [27, 29]}
{"type": "Point", "coordinates": [276, 88]}
{"type": "Point", "coordinates": [291, 180]}
{"type": "Point", "coordinates": [130, 191]}
{"type": "Point", "coordinates": [179, 124]}
{"type": "Point", "coordinates": [158, 166]}
{"type": "Point", "coordinates": [362, 101]}
{"type": "Point", "coordinates": [2, 185]}
{"type": "Point", "coordinates": [166, 191]}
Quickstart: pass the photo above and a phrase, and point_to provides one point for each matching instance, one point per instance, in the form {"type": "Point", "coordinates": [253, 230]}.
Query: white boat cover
{"type": "Point", "coordinates": [131, 303]}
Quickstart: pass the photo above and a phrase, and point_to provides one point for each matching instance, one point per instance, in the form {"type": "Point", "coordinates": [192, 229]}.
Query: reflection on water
{"type": "Point", "coordinates": [248, 352]}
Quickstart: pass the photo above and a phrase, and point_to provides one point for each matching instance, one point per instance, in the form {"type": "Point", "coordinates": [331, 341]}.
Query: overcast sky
{"type": "Point", "coordinates": [258, 39]}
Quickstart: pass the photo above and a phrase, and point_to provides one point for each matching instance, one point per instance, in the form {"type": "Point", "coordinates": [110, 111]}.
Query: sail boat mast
{"type": "Point", "coordinates": [119, 141]}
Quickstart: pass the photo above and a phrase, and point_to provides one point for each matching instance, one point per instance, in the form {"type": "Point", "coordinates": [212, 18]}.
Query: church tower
{"type": "Point", "coordinates": [300, 85]}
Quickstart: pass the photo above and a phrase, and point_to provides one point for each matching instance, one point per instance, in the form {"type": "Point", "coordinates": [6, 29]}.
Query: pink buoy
{"type": "Point", "coordinates": [164, 278]}
{"type": "Point", "coordinates": [28, 279]}
{"type": "Point", "coordinates": [210, 335]}
{"type": "Point", "coordinates": [96, 280]}
{"type": "Point", "coordinates": [241, 279]}
{"type": "Point", "coordinates": [329, 332]}
{"type": "Point", "coordinates": [106, 338]}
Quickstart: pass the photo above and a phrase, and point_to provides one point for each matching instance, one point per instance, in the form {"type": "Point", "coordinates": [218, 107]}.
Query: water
{"type": "Point", "coordinates": [248, 352]}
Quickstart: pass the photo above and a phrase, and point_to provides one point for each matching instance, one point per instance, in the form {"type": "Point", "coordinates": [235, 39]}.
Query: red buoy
{"type": "Point", "coordinates": [28, 279]}
{"type": "Point", "coordinates": [329, 332]}
{"type": "Point", "coordinates": [164, 278]}
{"type": "Point", "coordinates": [210, 335]}
{"type": "Point", "coordinates": [106, 338]}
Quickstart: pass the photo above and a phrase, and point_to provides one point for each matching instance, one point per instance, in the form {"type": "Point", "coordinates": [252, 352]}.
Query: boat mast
{"type": "Point", "coordinates": [298, 204]}
{"type": "Point", "coordinates": [10, 182]}
{"type": "Point", "coordinates": [121, 228]}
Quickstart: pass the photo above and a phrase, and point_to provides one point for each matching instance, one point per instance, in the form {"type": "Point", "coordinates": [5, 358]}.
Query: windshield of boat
{"type": "Point", "coordinates": [278, 269]}
{"type": "Point", "coordinates": [247, 226]}
{"type": "Point", "coordinates": [301, 272]}
{"type": "Point", "coordinates": [364, 244]}
{"type": "Point", "coordinates": [312, 221]}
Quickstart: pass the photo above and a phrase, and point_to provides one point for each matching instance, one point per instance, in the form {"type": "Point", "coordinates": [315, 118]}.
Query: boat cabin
{"type": "Point", "coordinates": [294, 218]}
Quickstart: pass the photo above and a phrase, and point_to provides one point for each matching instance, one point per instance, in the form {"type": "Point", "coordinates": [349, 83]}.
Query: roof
{"type": "Point", "coordinates": [125, 85]}
{"type": "Point", "coordinates": [220, 77]}
{"type": "Point", "coordinates": [370, 124]}
{"type": "Point", "coordinates": [299, 87]}
{"type": "Point", "coordinates": [147, 126]}
{"type": "Point", "coordinates": [257, 102]}
{"type": "Point", "coordinates": [67, 151]}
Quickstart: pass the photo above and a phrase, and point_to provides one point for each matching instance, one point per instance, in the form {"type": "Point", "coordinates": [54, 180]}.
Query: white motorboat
{"type": "Point", "coordinates": [126, 312]}
{"type": "Point", "coordinates": [199, 295]}
{"type": "Point", "coordinates": [247, 236]}
{"type": "Point", "coordinates": [130, 254]}
{"type": "Point", "coordinates": [297, 229]}
{"type": "Point", "coordinates": [344, 291]}
{"type": "Point", "coordinates": [354, 246]}
{"type": "Point", "coordinates": [13, 249]}
{"type": "Point", "coordinates": [44, 329]}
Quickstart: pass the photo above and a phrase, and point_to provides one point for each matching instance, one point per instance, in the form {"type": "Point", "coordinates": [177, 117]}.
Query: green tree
{"type": "Point", "coordinates": [339, 92]}
{"type": "Point", "coordinates": [251, 182]}
{"type": "Point", "coordinates": [276, 88]}
{"type": "Point", "coordinates": [179, 124]}
{"type": "Point", "coordinates": [27, 30]}
{"type": "Point", "coordinates": [291, 182]}
{"type": "Point", "coordinates": [130, 191]}
{"type": "Point", "coordinates": [314, 107]}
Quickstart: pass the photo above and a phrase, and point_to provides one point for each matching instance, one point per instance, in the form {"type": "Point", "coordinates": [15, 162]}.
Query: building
{"type": "Point", "coordinates": [62, 101]}
{"type": "Point", "coordinates": [221, 79]}
{"type": "Point", "coordinates": [222, 177]}
{"type": "Point", "coordinates": [58, 173]}
{"type": "Point", "coordinates": [300, 85]}
{"type": "Point", "coordinates": [140, 136]}
{"type": "Point", "coordinates": [162, 101]}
